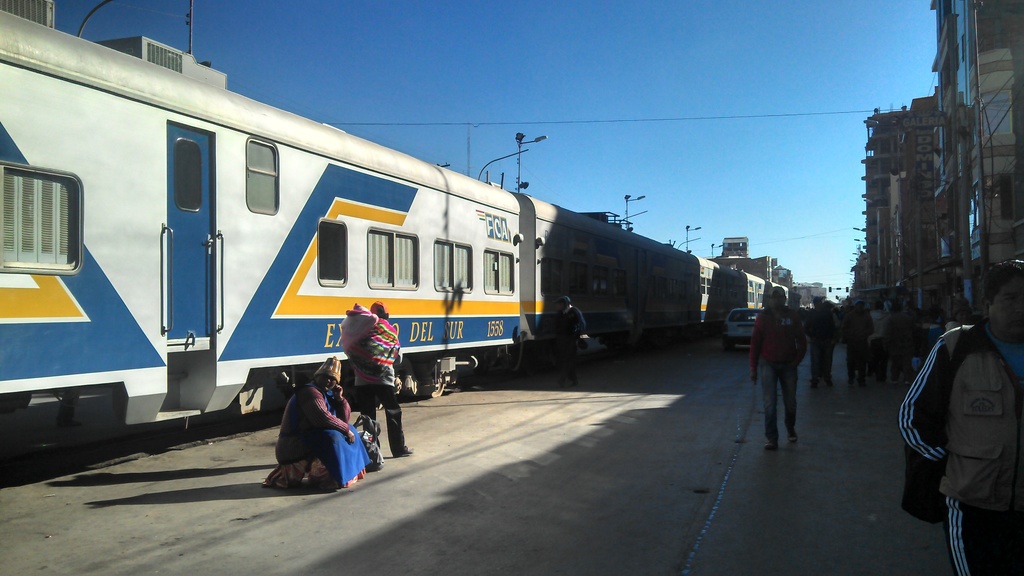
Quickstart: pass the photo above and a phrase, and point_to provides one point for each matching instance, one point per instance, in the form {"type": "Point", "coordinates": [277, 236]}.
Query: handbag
{"type": "Point", "coordinates": [921, 496]}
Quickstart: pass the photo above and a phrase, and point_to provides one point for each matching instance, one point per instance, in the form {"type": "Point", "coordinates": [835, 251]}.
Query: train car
{"type": "Point", "coordinates": [755, 291]}
{"type": "Point", "coordinates": [180, 242]}
{"type": "Point", "coordinates": [723, 289]}
{"type": "Point", "coordinates": [628, 286]}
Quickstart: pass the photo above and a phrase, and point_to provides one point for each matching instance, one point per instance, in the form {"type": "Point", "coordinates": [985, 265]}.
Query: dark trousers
{"type": "Point", "coordinates": [984, 541]}
{"type": "Point", "coordinates": [856, 360]}
{"type": "Point", "coordinates": [821, 359]}
{"type": "Point", "coordinates": [879, 359]}
{"type": "Point", "coordinates": [565, 348]}
{"type": "Point", "coordinates": [367, 397]}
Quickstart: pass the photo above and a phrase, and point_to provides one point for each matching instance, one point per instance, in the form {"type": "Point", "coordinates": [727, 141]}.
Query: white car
{"type": "Point", "coordinates": [739, 325]}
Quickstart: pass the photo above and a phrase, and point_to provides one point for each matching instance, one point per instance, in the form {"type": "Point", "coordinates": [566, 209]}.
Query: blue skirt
{"type": "Point", "coordinates": [343, 461]}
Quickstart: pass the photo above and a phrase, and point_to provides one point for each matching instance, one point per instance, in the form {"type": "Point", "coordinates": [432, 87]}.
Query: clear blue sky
{"type": "Point", "coordinates": [742, 117]}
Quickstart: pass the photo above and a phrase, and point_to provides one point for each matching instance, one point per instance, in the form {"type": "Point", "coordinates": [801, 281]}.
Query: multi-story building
{"type": "Point", "coordinates": [944, 185]}
{"type": "Point", "coordinates": [738, 246]}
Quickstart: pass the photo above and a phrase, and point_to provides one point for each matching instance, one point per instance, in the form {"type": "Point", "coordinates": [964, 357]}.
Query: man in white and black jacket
{"type": "Point", "coordinates": [965, 404]}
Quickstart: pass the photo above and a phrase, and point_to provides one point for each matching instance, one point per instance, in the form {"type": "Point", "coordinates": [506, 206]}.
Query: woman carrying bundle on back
{"type": "Point", "coordinates": [371, 343]}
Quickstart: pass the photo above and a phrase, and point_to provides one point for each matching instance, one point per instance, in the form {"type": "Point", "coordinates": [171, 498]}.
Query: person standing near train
{"type": "Point", "coordinates": [777, 346]}
{"type": "Point", "coordinates": [371, 343]}
{"type": "Point", "coordinates": [569, 326]}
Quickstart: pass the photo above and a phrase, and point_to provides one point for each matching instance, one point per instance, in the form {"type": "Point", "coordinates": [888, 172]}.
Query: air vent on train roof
{"type": "Point", "coordinates": [167, 57]}
{"type": "Point", "coordinates": [38, 11]}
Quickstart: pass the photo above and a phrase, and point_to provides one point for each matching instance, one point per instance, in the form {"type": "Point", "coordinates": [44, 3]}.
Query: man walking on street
{"type": "Point", "coordinates": [821, 336]}
{"type": "Point", "coordinates": [857, 327]}
{"type": "Point", "coordinates": [964, 408]}
{"type": "Point", "coordinates": [777, 346]}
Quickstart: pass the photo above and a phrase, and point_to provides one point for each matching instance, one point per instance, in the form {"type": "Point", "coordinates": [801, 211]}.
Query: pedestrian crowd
{"type": "Point", "coordinates": [961, 419]}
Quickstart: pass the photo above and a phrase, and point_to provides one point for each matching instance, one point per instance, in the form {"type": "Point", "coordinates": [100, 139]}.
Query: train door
{"type": "Point", "coordinates": [189, 239]}
{"type": "Point", "coordinates": [191, 250]}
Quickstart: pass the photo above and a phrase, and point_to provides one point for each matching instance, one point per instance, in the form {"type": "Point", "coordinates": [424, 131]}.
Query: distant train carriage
{"type": "Point", "coordinates": [627, 285]}
{"type": "Point", "coordinates": [755, 291]}
{"type": "Point", "coordinates": [725, 289]}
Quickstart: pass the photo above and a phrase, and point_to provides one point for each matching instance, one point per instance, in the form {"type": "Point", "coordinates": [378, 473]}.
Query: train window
{"type": "Point", "coordinates": [188, 175]}
{"type": "Point", "coordinates": [498, 271]}
{"type": "Point", "coordinates": [618, 282]}
{"type": "Point", "coordinates": [577, 278]}
{"type": "Point", "coordinates": [40, 219]}
{"type": "Point", "coordinates": [453, 267]}
{"type": "Point", "coordinates": [580, 244]}
{"type": "Point", "coordinates": [262, 194]}
{"type": "Point", "coordinates": [599, 281]}
{"type": "Point", "coordinates": [332, 253]}
{"type": "Point", "coordinates": [392, 260]}
{"type": "Point", "coordinates": [551, 276]}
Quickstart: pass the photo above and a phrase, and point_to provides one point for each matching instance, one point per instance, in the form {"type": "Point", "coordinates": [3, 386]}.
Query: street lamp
{"type": "Point", "coordinates": [688, 236]}
{"type": "Point", "coordinates": [520, 185]}
{"type": "Point", "coordinates": [713, 249]}
{"type": "Point", "coordinates": [480, 175]}
{"type": "Point", "coordinates": [629, 198]}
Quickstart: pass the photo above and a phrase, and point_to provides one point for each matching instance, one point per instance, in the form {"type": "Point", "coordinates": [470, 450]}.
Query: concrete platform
{"type": "Point", "coordinates": [654, 465]}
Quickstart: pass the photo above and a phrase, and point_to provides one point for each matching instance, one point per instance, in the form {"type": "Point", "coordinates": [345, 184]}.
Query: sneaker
{"type": "Point", "coordinates": [828, 382]}
{"type": "Point", "coordinates": [406, 451]}
{"type": "Point", "coordinates": [771, 445]}
{"type": "Point", "coordinates": [814, 383]}
{"type": "Point", "coordinates": [792, 435]}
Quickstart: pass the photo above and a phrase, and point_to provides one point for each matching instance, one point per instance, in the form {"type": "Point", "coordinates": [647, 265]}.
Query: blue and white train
{"type": "Point", "coordinates": [182, 243]}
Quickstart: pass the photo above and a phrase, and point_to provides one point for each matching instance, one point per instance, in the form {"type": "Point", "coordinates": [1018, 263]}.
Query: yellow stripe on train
{"type": "Point", "coordinates": [293, 303]}
{"type": "Point", "coordinates": [29, 298]}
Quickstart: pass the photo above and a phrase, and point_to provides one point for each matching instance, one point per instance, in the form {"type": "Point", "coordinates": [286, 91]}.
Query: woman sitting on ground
{"type": "Point", "coordinates": [316, 438]}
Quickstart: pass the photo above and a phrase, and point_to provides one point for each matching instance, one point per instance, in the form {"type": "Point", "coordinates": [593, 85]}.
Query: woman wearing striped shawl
{"type": "Point", "coordinates": [371, 344]}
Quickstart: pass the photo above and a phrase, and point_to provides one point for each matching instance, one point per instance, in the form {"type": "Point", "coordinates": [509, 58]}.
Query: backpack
{"type": "Point", "coordinates": [921, 496]}
{"type": "Point", "coordinates": [371, 441]}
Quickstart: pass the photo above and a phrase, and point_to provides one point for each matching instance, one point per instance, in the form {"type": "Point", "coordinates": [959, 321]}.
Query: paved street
{"type": "Point", "coordinates": [654, 465]}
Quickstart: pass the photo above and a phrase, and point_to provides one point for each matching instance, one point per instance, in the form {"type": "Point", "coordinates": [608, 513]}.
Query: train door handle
{"type": "Point", "coordinates": [166, 279]}
{"type": "Point", "coordinates": [220, 280]}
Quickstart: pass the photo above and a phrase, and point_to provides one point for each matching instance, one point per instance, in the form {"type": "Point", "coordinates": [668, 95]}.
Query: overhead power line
{"type": "Point", "coordinates": [607, 121]}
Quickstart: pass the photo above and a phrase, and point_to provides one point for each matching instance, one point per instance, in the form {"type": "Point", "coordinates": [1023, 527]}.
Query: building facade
{"type": "Point", "coordinates": [944, 187]}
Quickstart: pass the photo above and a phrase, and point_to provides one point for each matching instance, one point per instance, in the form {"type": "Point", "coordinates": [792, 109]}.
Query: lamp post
{"type": "Point", "coordinates": [713, 249]}
{"type": "Point", "coordinates": [520, 185]}
{"type": "Point", "coordinates": [688, 228]}
{"type": "Point", "coordinates": [629, 198]}
{"type": "Point", "coordinates": [480, 175]}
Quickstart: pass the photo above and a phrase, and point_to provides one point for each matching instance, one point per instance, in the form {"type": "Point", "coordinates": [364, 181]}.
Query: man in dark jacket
{"type": "Point", "coordinates": [777, 346]}
{"type": "Point", "coordinates": [569, 326]}
{"type": "Point", "coordinates": [857, 327]}
{"type": "Point", "coordinates": [965, 406]}
{"type": "Point", "coordinates": [821, 335]}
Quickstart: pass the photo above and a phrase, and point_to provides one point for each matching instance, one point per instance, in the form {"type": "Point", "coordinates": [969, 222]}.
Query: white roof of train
{"type": "Point", "coordinates": [31, 46]}
{"type": "Point", "coordinates": [565, 217]}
